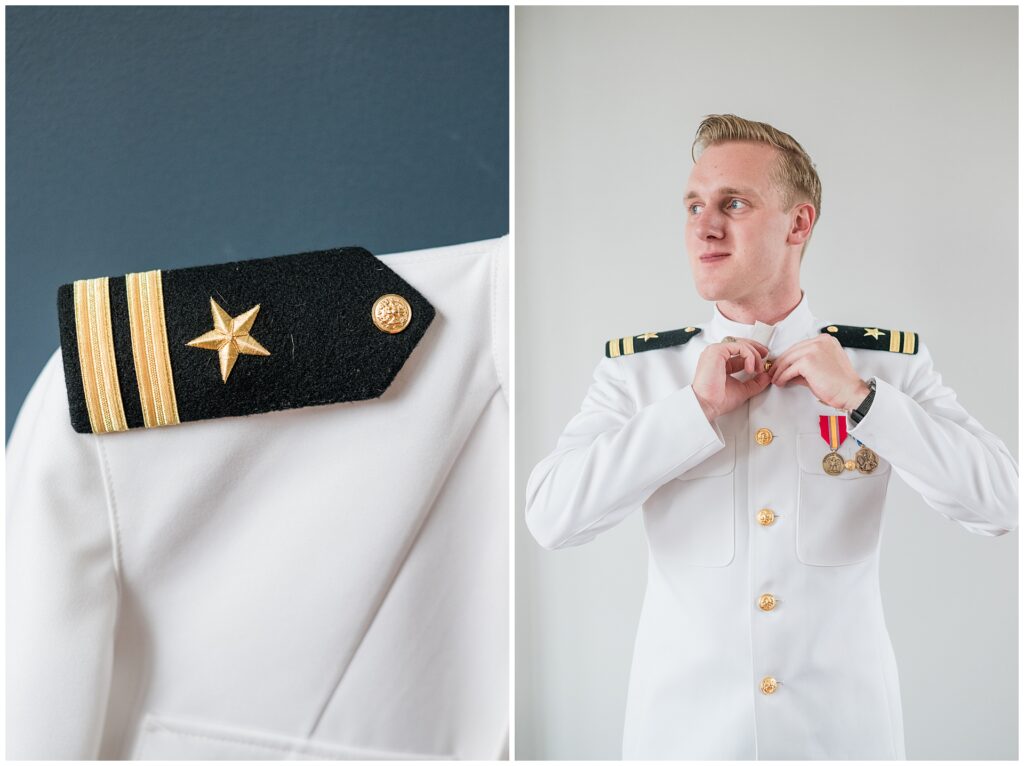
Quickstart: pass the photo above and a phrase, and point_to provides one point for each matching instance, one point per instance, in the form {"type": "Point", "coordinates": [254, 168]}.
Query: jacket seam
{"type": "Point", "coordinates": [885, 686]}
{"type": "Point", "coordinates": [113, 517]}
{"type": "Point", "coordinates": [429, 509]}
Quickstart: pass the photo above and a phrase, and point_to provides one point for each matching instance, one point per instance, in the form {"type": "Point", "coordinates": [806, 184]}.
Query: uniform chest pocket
{"type": "Point", "coordinates": [690, 519]}
{"type": "Point", "coordinates": [839, 518]}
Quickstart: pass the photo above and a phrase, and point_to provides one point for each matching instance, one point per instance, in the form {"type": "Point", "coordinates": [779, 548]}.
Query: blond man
{"type": "Point", "coordinates": [760, 446]}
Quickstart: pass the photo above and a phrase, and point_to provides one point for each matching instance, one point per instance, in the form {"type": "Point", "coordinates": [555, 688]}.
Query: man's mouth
{"type": "Point", "coordinates": [713, 257]}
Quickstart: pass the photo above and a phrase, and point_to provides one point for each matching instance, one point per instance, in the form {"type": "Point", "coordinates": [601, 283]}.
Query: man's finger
{"type": "Point", "coordinates": [749, 364]}
{"type": "Point", "coordinates": [778, 366]}
{"type": "Point", "coordinates": [755, 384]}
{"type": "Point", "coordinates": [791, 354]}
{"type": "Point", "coordinates": [744, 358]}
{"type": "Point", "coordinates": [761, 348]}
{"type": "Point", "coordinates": [739, 363]}
{"type": "Point", "coordinates": [733, 364]}
{"type": "Point", "coordinates": [792, 371]}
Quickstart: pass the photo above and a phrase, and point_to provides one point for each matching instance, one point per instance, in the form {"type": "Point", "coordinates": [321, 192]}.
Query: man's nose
{"type": "Point", "coordinates": [708, 225]}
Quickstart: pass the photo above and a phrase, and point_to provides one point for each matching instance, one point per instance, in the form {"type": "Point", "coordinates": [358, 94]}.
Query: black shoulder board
{"type": "Point", "coordinates": [648, 341]}
{"type": "Point", "coordinates": [157, 348]}
{"type": "Point", "coordinates": [897, 341]}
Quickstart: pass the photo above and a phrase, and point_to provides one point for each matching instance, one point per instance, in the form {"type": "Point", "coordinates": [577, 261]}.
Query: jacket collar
{"type": "Point", "coordinates": [798, 324]}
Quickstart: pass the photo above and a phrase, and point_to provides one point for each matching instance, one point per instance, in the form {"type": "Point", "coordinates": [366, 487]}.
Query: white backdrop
{"type": "Point", "coordinates": [910, 115]}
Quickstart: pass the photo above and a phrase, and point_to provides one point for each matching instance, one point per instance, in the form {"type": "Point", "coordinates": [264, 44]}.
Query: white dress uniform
{"type": "Point", "coordinates": [762, 634]}
{"type": "Point", "coordinates": [324, 582]}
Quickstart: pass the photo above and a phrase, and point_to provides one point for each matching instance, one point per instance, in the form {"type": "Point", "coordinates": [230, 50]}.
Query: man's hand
{"type": "Point", "coordinates": [717, 392]}
{"type": "Point", "coordinates": [821, 364]}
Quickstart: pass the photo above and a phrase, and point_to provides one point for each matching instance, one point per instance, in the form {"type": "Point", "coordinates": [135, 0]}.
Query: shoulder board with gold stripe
{"type": "Point", "coordinates": [877, 339]}
{"type": "Point", "coordinates": [648, 341]}
{"type": "Point", "coordinates": [158, 348]}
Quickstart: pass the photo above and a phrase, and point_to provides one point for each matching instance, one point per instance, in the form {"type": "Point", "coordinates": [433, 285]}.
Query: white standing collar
{"type": "Point", "coordinates": [798, 324]}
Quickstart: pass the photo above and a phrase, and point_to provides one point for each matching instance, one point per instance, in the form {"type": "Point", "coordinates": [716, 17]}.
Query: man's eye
{"type": "Point", "coordinates": [697, 204]}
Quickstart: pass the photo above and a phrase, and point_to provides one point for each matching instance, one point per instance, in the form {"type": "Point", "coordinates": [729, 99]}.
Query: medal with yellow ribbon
{"type": "Point", "coordinates": [833, 431]}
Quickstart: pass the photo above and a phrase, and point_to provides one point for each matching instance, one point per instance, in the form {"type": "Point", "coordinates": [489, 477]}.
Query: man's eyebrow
{"type": "Point", "coordinates": [727, 190]}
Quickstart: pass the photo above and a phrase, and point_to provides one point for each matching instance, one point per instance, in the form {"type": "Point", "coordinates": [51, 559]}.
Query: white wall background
{"type": "Point", "coordinates": [910, 114]}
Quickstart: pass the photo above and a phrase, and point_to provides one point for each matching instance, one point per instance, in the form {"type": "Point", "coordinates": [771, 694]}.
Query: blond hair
{"type": "Point", "coordinates": [793, 173]}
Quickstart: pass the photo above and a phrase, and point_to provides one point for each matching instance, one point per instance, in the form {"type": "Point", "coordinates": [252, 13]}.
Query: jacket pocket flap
{"type": "Point", "coordinates": [165, 738]}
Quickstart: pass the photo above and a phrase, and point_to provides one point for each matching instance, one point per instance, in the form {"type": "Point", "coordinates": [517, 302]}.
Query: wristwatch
{"type": "Point", "coordinates": [861, 409]}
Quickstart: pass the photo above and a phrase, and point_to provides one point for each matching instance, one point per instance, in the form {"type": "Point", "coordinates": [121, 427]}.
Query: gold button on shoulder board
{"type": "Point", "coordinates": [765, 517]}
{"type": "Point", "coordinates": [763, 436]}
{"type": "Point", "coordinates": [832, 328]}
{"type": "Point", "coordinates": [769, 685]}
{"type": "Point", "coordinates": [391, 313]}
{"type": "Point", "coordinates": [766, 603]}
{"type": "Point", "coordinates": [690, 329]}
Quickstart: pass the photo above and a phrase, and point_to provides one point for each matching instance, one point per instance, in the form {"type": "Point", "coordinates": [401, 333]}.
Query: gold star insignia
{"type": "Point", "coordinates": [874, 332]}
{"type": "Point", "coordinates": [230, 337]}
{"type": "Point", "coordinates": [647, 336]}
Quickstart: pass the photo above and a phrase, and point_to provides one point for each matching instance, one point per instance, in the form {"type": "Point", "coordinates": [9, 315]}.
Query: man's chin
{"type": "Point", "coordinates": [712, 292]}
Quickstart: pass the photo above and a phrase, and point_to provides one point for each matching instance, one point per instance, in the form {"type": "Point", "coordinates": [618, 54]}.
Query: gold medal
{"type": "Point", "coordinates": [833, 431]}
{"type": "Point", "coordinates": [833, 463]}
{"type": "Point", "coordinates": [866, 460]}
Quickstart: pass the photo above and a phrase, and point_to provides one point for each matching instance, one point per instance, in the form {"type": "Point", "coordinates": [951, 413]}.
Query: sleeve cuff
{"type": "Point", "coordinates": [869, 425]}
{"type": "Point", "coordinates": [697, 437]}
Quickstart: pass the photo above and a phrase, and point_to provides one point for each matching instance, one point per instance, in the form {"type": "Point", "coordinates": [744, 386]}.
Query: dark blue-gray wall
{"type": "Point", "coordinates": [141, 138]}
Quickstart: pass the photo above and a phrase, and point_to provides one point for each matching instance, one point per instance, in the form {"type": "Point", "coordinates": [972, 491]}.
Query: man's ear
{"type": "Point", "coordinates": [803, 222]}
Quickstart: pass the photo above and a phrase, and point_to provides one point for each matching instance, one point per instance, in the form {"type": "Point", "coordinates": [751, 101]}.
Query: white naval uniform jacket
{"type": "Point", "coordinates": [317, 583]}
{"type": "Point", "coordinates": [703, 645]}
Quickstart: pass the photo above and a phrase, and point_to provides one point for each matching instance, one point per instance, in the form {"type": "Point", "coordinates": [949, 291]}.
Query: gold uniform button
{"type": "Point", "coordinates": [763, 436]}
{"type": "Point", "coordinates": [832, 328]}
{"type": "Point", "coordinates": [690, 329]}
{"type": "Point", "coordinates": [766, 603]}
{"type": "Point", "coordinates": [769, 685]}
{"type": "Point", "coordinates": [850, 465]}
{"type": "Point", "coordinates": [766, 517]}
{"type": "Point", "coordinates": [391, 313]}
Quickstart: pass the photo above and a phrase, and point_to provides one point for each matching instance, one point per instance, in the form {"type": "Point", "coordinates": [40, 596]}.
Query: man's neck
{"type": "Point", "coordinates": [771, 309]}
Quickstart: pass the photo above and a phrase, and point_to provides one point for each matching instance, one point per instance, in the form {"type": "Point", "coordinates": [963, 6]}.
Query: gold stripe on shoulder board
{"type": "Point", "coordinates": [909, 342]}
{"type": "Point", "coordinates": [96, 358]}
{"type": "Point", "coordinates": [894, 341]}
{"type": "Point", "coordinates": [627, 344]}
{"type": "Point", "coordinates": [149, 348]}
{"type": "Point", "coordinates": [613, 347]}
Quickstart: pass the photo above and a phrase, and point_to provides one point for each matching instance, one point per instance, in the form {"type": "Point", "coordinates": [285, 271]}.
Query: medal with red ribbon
{"type": "Point", "coordinates": [833, 431]}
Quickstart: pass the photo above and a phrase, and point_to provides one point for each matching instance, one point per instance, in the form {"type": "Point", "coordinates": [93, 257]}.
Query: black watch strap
{"type": "Point", "coordinates": [857, 414]}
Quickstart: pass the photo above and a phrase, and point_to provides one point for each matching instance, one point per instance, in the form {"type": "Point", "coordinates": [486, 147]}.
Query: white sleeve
{"type": "Point", "coordinates": [612, 456]}
{"type": "Point", "coordinates": [961, 470]}
{"type": "Point", "coordinates": [62, 586]}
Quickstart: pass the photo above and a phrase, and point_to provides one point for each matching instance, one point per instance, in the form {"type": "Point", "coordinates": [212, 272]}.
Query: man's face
{"type": "Point", "coordinates": [732, 207]}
